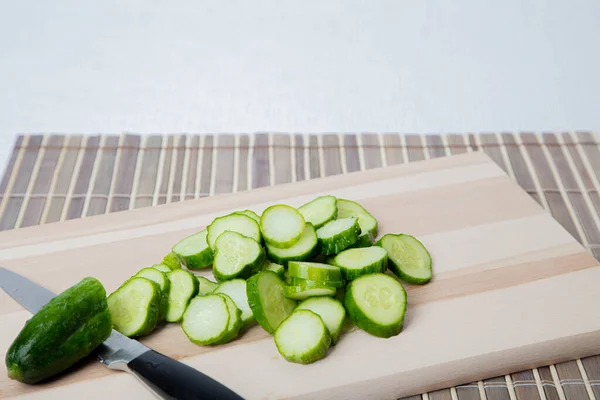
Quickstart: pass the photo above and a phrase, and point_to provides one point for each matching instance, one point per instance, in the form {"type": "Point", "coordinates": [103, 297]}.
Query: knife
{"type": "Point", "coordinates": [163, 376]}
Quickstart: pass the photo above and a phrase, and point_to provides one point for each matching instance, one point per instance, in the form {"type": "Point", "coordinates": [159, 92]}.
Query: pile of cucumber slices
{"type": "Point", "coordinates": [298, 273]}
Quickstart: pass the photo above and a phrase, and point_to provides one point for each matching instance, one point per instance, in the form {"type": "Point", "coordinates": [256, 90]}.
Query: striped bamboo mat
{"type": "Point", "coordinates": [53, 178]}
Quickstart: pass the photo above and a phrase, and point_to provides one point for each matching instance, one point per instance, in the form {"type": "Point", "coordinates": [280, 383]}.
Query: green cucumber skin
{"type": "Point", "coordinates": [63, 332]}
{"type": "Point", "coordinates": [164, 300]}
{"type": "Point", "coordinates": [344, 211]}
{"type": "Point", "coordinates": [254, 300]}
{"type": "Point", "coordinates": [205, 286]}
{"type": "Point", "coordinates": [171, 261]}
{"type": "Point", "coordinates": [234, 331]}
{"type": "Point", "coordinates": [350, 274]}
{"type": "Point", "coordinates": [153, 310]}
{"type": "Point", "coordinates": [197, 261]}
{"type": "Point", "coordinates": [250, 269]}
{"type": "Point", "coordinates": [341, 242]}
{"type": "Point", "coordinates": [285, 260]}
{"type": "Point", "coordinates": [318, 352]}
{"type": "Point", "coordinates": [364, 240]}
{"type": "Point", "coordinates": [196, 286]}
{"type": "Point", "coordinates": [395, 267]}
{"type": "Point", "coordinates": [293, 281]}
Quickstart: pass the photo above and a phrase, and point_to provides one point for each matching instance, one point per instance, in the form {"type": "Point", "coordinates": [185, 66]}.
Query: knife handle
{"type": "Point", "coordinates": [171, 379]}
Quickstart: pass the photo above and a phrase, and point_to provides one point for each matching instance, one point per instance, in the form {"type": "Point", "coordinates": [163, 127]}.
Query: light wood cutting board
{"type": "Point", "coordinates": [511, 290]}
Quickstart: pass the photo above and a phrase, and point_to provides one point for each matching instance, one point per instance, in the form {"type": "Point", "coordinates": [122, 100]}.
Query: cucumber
{"type": "Point", "coordinates": [282, 226]}
{"type": "Point", "coordinates": [193, 251]}
{"type": "Point", "coordinates": [236, 256]}
{"type": "Point", "coordinates": [314, 271]}
{"type": "Point", "coordinates": [409, 260]}
{"type": "Point", "coordinates": [184, 286]}
{"type": "Point", "coordinates": [304, 249]}
{"type": "Point", "coordinates": [135, 306]}
{"type": "Point", "coordinates": [251, 214]}
{"type": "Point", "coordinates": [302, 338]}
{"type": "Point", "coordinates": [331, 311]}
{"type": "Point", "coordinates": [364, 240]}
{"type": "Point", "coordinates": [277, 268]}
{"type": "Point", "coordinates": [67, 329]}
{"type": "Point", "coordinates": [376, 303]}
{"type": "Point", "coordinates": [305, 291]}
{"type": "Point", "coordinates": [338, 235]}
{"type": "Point", "coordinates": [171, 261]}
{"type": "Point", "coordinates": [234, 222]}
{"type": "Point", "coordinates": [236, 290]}
{"type": "Point", "coordinates": [205, 286]}
{"type": "Point", "coordinates": [206, 319]}
{"type": "Point", "coordinates": [361, 261]}
{"type": "Point", "coordinates": [349, 208]}
{"type": "Point", "coordinates": [293, 281]}
{"type": "Point", "coordinates": [319, 211]}
{"type": "Point", "coordinates": [267, 300]}
{"type": "Point", "coordinates": [235, 320]}
{"type": "Point", "coordinates": [165, 287]}
{"type": "Point", "coordinates": [161, 268]}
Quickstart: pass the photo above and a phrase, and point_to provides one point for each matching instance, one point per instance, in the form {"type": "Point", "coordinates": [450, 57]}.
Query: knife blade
{"type": "Point", "coordinates": [163, 376]}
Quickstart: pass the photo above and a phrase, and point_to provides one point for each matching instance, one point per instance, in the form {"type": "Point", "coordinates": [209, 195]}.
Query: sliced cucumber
{"type": "Point", "coordinates": [184, 286]}
{"type": "Point", "coordinates": [304, 249]}
{"type": "Point", "coordinates": [364, 240]}
{"type": "Point", "coordinates": [277, 268]}
{"type": "Point", "coordinates": [314, 271]}
{"type": "Point", "coordinates": [331, 311]}
{"type": "Point", "coordinates": [164, 283]}
{"type": "Point", "coordinates": [205, 286]}
{"type": "Point", "coordinates": [134, 307]}
{"type": "Point", "coordinates": [362, 261]}
{"type": "Point", "coordinates": [161, 268]}
{"type": "Point", "coordinates": [235, 222]}
{"type": "Point", "coordinates": [236, 256]}
{"type": "Point", "coordinates": [305, 291]}
{"type": "Point", "coordinates": [235, 320]}
{"type": "Point", "coordinates": [266, 297]}
{"type": "Point", "coordinates": [236, 289]}
{"type": "Point", "coordinates": [319, 211]}
{"type": "Point", "coordinates": [251, 214]}
{"type": "Point", "coordinates": [376, 303]}
{"type": "Point", "coordinates": [302, 338]}
{"type": "Point", "coordinates": [171, 261]}
{"type": "Point", "coordinates": [293, 281]}
{"type": "Point", "coordinates": [409, 260]}
{"type": "Point", "coordinates": [193, 252]}
{"type": "Point", "coordinates": [349, 208]}
{"type": "Point", "coordinates": [338, 235]}
{"type": "Point", "coordinates": [206, 320]}
{"type": "Point", "coordinates": [282, 226]}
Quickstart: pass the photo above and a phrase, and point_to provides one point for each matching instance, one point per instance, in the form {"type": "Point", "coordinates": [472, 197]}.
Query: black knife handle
{"type": "Point", "coordinates": [177, 380]}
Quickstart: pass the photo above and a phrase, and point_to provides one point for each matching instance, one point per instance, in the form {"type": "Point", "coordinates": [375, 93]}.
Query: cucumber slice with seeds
{"type": "Point", "coordinates": [193, 252]}
{"type": "Point", "coordinates": [235, 321]}
{"type": "Point", "coordinates": [184, 286]}
{"type": "Point", "coordinates": [319, 211]}
{"type": "Point", "coordinates": [349, 208]}
{"type": "Point", "coordinates": [376, 303]}
{"type": "Point", "coordinates": [134, 307]}
{"type": "Point", "coordinates": [206, 320]}
{"type": "Point", "coordinates": [282, 226]}
{"type": "Point", "coordinates": [302, 338]}
{"type": "Point", "coordinates": [277, 268]}
{"type": "Point", "coordinates": [314, 271]}
{"type": "Point", "coordinates": [161, 268]}
{"type": "Point", "coordinates": [235, 222]}
{"type": "Point", "coordinates": [304, 249]}
{"type": "Point", "coordinates": [338, 235]}
{"type": "Point", "coordinates": [362, 261]}
{"type": "Point", "coordinates": [409, 260]}
{"type": "Point", "coordinates": [164, 283]}
{"type": "Point", "coordinates": [251, 214]}
{"type": "Point", "coordinates": [205, 286]}
{"type": "Point", "coordinates": [236, 289]}
{"type": "Point", "coordinates": [267, 300]}
{"type": "Point", "coordinates": [171, 261]}
{"type": "Point", "coordinates": [331, 311]}
{"type": "Point", "coordinates": [236, 256]}
{"type": "Point", "coordinates": [305, 291]}
{"type": "Point", "coordinates": [293, 281]}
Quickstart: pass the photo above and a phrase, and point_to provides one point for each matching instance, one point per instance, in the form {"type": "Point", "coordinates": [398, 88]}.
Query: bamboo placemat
{"type": "Point", "coordinates": [52, 178]}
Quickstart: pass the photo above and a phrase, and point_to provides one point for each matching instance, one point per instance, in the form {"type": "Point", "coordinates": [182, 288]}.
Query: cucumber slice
{"type": "Point", "coordinates": [236, 256]}
{"type": "Point", "coordinates": [364, 240]}
{"type": "Point", "coordinates": [338, 235]}
{"type": "Point", "coordinates": [319, 211]}
{"type": "Point", "coordinates": [205, 286]}
{"type": "Point", "coordinates": [306, 291]}
{"type": "Point", "coordinates": [193, 252]}
{"type": "Point", "coordinates": [161, 268]}
{"type": "Point", "coordinates": [282, 226]}
{"type": "Point", "coordinates": [409, 260]}
{"type": "Point", "coordinates": [362, 261]}
{"type": "Point", "coordinates": [267, 300]}
{"type": "Point", "coordinates": [302, 338]}
{"type": "Point", "coordinates": [331, 311]}
{"type": "Point", "coordinates": [235, 320]}
{"type": "Point", "coordinates": [235, 222]}
{"type": "Point", "coordinates": [206, 320]}
{"type": "Point", "coordinates": [236, 289]}
{"type": "Point", "coordinates": [349, 208]}
{"type": "Point", "coordinates": [376, 303]}
{"type": "Point", "coordinates": [134, 307]}
{"type": "Point", "coordinates": [314, 271]}
{"type": "Point", "coordinates": [171, 261]}
{"type": "Point", "coordinates": [165, 287]}
{"type": "Point", "coordinates": [293, 281]}
{"type": "Point", "coordinates": [184, 286]}
{"type": "Point", "coordinates": [250, 214]}
{"type": "Point", "coordinates": [277, 268]}
{"type": "Point", "coordinates": [304, 249]}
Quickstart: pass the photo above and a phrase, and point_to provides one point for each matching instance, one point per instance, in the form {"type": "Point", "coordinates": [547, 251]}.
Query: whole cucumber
{"type": "Point", "coordinates": [61, 333]}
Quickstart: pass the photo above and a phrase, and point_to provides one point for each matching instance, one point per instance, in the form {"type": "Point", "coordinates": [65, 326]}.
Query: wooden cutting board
{"type": "Point", "coordinates": [512, 289]}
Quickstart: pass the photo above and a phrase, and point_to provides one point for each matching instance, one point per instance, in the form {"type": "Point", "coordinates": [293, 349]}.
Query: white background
{"type": "Point", "coordinates": [429, 66]}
